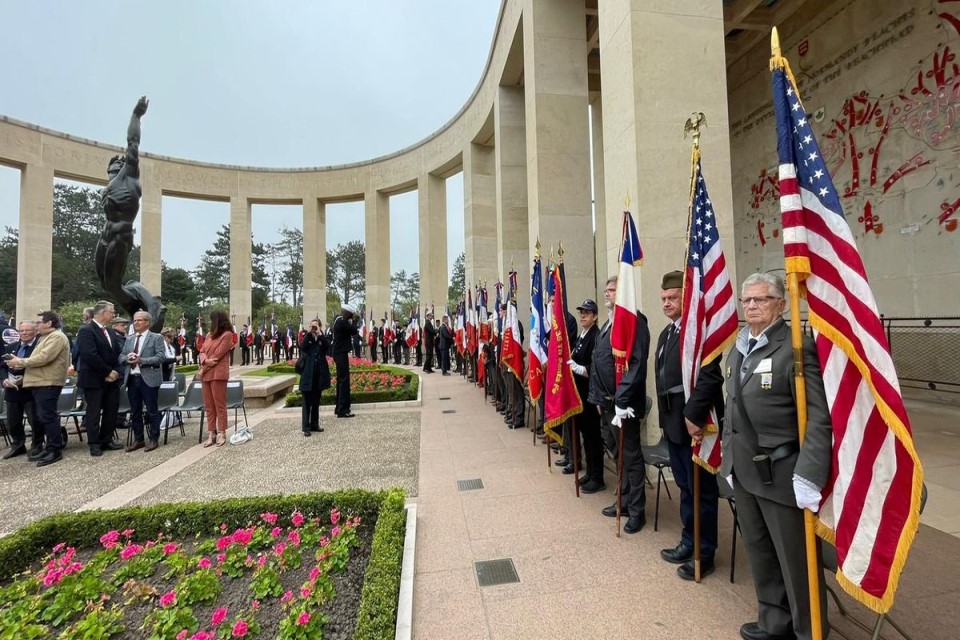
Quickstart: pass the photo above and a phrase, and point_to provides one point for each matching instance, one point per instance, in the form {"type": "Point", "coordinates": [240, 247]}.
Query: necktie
{"type": "Point", "coordinates": [751, 343]}
{"type": "Point", "coordinates": [136, 345]}
{"type": "Point", "coordinates": [106, 335]}
{"type": "Point", "coordinates": [23, 351]}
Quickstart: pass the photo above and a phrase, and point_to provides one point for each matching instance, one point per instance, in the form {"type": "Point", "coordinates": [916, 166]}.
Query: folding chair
{"type": "Point", "coordinates": [168, 404]}
{"type": "Point", "coordinates": [70, 404]}
{"type": "Point", "coordinates": [194, 402]}
{"type": "Point", "coordinates": [235, 402]}
{"type": "Point", "coordinates": [658, 456]}
{"type": "Point", "coordinates": [726, 493]}
{"type": "Point", "coordinates": [181, 380]}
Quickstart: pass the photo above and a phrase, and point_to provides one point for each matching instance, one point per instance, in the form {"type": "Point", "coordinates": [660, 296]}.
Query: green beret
{"type": "Point", "coordinates": [672, 280]}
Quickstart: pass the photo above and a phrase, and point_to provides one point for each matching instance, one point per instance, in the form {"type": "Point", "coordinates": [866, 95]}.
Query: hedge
{"type": "Point", "coordinates": [187, 368]}
{"type": "Point", "coordinates": [378, 601]}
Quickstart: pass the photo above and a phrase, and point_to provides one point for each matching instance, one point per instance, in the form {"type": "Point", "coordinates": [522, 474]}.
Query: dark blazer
{"type": "Point", "coordinates": [14, 349]}
{"type": "Point", "coordinates": [773, 414]}
{"type": "Point", "coordinates": [582, 353]}
{"type": "Point", "coordinates": [429, 334]}
{"type": "Point", "coordinates": [98, 357]}
{"type": "Point", "coordinates": [343, 332]}
{"type": "Point", "coordinates": [314, 349]}
{"type": "Point", "coordinates": [632, 390]}
{"type": "Point", "coordinates": [672, 408]}
{"type": "Point", "coordinates": [446, 337]}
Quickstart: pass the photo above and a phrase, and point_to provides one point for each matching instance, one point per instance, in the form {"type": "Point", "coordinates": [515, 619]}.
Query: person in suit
{"type": "Point", "coordinates": [258, 347]}
{"type": "Point", "coordinates": [315, 377]}
{"type": "Point", "coordinates": [214, 372]}
{"type": "Point", "coordinates": [774, 478]}
{"type": "Point", "coordinates": [343, 331]}
{"type": "Point", "coordinates": [142, 356]}
{"type": "Point", "coordinates": [429, 337]}
{"type": "Point", "coordinates": [682, 420]}
{"type": "Point", "coordinates": [19, 400]}
{"type": "Point", "coordinates": [99, 377]}
{"type": "Point", "coordinates": [244, 346]}
{"type": "Point", "coordinates": [45, 371]}
{"type": "Point", "coordinates": [446, 341]}
{"type": "Point", "coordinates": [588, 422]}
{"type": "Point", "coordinates": [623, 406]}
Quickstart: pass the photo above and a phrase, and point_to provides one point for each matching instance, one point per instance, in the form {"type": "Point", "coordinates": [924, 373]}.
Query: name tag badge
{"type": "Point", "coordinates": [729, 372]}
{"type": "Point", "coordinates": [766, 380]}
{"type": "Point", "coordinates": [764, 366]}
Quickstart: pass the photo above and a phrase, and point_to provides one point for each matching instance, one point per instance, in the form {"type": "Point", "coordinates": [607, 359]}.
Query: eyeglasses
{"type": "Point", "coordinates": [758, 300]}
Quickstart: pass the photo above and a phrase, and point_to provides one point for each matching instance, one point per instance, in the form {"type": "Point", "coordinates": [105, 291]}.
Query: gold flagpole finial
{"type": "Point", "coordinates": [560, 253]}
{"type": "Point", "coordinates": [626, 202]}
{"type": "Point", "coordinates": [536, 251]}
{"type": "Point", "coordinates": [693, 123]}
{"type": "Point", "coordinates": [774, 43]}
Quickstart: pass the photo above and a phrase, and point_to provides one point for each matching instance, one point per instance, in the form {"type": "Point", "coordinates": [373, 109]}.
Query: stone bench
{"type": "Point", "coordinates": [262, 392]}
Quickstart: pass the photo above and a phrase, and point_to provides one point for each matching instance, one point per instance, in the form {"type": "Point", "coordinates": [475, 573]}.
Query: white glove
{"type": "Point", "coordinates": [729, 480]}
{"type": "Point", "coordinates": [620, 415]}
{"type": "Point", "coordinates": [578, 369]}
{"type": "Point", "coordinates": [807, 493]}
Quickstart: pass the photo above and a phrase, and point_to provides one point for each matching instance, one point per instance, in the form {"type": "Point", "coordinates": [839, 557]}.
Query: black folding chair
{"type": "Point", "coordinates": [658, 456]}
{"type": "Point", "coordinates": [235, 402]}
{"type": "Point", "coordinates": [70, 404]}
{"type": "Point", "coordinates": [194, 402]}
{"type": "Point", "coordinates": [168, 403]}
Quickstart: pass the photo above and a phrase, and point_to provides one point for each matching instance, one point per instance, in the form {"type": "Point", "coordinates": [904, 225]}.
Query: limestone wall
{"type": "Point", "coordinates": [881, 82]}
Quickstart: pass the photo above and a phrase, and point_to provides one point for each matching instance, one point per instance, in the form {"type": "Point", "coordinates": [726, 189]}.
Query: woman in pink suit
{"type": "Point", "coordinates": [214, 372]}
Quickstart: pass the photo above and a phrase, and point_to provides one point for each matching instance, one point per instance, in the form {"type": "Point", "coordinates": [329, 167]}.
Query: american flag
{"type": "Point", "coordinates": [871, 506]}
{"type": "Point", "coordinates": [709, 322]}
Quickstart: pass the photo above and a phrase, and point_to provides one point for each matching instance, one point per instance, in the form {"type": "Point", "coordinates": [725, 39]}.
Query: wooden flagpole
{"type": "Point", "coordinates": [796, 335]}
{"type": "Point", "coordinates": [619, 491]}
{"type": "Point", "coordinates": [572, 447]}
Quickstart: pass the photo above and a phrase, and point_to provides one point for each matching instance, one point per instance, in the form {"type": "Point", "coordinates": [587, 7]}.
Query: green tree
{"type": "Point", "coordinates": [333, 306]}
{"type": "Point", "coordinates": [260, 281]}
{"type": "Point", "coordinates": [288, 252]}
{"type": "Point", "coordinates": [212, 275]}
{"type": "Point", "coordinates": [346, 271]}
{"type": "Point", "coordinates": [405, 291]}
{"type": "Point", "coordinates": [178, 288]}
{"type": "Point", "coordinates": [457, 280]}
{"type": "Point", "coordinates": [8, 271]}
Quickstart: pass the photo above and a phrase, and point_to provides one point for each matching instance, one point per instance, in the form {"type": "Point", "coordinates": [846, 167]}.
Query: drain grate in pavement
{"type": "Point", "coordinates": [444, 397]}
{"type": "Point", "coordinates": [449, 410]}
{"type": "Point", "coordinates": [494, 572]}
{"type": "Point", "coordinates": [469, 485]}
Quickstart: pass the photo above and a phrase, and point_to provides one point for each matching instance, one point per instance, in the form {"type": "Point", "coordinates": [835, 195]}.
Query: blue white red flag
{"type": "Point", "coordinates": [538, 334]}
{"type": "Point", "coordinates": [625, 312]}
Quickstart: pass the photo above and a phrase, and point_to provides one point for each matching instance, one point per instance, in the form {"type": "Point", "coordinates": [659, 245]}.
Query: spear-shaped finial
{"type": "Point", "coordinates": [774, 43]}
{"type": "Point", "coordinates": [560, 253]}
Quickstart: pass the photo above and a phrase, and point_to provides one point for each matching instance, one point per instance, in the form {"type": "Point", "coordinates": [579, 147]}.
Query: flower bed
{"type": "Point", "coordinates": [261, 575]}
{"type": "Point", "coordinates": [380, 384]}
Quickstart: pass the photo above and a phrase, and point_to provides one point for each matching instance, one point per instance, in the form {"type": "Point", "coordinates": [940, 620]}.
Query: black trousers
{"type": "Point", "coordinates": [681, 462]}
{"type": "Point", "coordinates": [633, 477]}
{"type": "Point", "coordinates": [588, 426]}
{"type": "Point", "coordinates": [48, 422]}
{"type": "Point", "coordinates": [310, 414]}
{"type": "Point", "coordinates": [244, 355]}
{"type": "Point", "coordinates": [428, 362]}
{"type": "Point", "coordinates": [19, 404]}
{"type": "Point", "coordinates": [342, 362]}
{"type": "Point", "coordinates": [101, 415]}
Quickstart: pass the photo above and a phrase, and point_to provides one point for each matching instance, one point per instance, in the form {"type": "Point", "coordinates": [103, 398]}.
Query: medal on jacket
{"type": "Point", "coordinates": [729, 371]}
{"type": "Point", "coordinates": [766, 381]}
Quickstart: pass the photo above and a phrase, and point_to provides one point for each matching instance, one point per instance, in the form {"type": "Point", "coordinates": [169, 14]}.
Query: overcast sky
{"type": "Point", "coordinates": [250, 83]}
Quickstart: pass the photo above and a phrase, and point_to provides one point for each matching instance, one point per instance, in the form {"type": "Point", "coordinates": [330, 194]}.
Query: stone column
{"type": "Point", "coordinates": [241, 259]}
{"type": "Point", "coordinates": [651, 83]}
{"type": "Point", "coordinates": [377, 239]}
{"type": "Point", "coordinates": [480, 214]}
{"type": "Point", "coordinates": [150, 238]}
{"type": "Point", "coordinates": [432, 193]}
{"type": "Point", "coordinates": [558, 137]}
{"type": "Point", "coordinates": [35, 247]}
{"type": "Point", "coordinates": [314, 260]}
{"type": "Point", "coordinates": [600, 224]}
{"type": "Point", "coordinates": [511, 180]}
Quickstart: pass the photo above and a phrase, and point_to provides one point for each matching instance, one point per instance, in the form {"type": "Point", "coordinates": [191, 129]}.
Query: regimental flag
{"type": "Point", "coordinates": [288, 338]}
{"type": "Point", "coordinates": [511, 351]}
{"type": "Point", "coordinates": [199, 339]}
{"type": "Point", "coordinates": [483, 332]}
{"type": "Point", "coordinates": [413, 329]}
{"type": "Point", "coordinates": [388, 335]}
{"type": "Point", "coordinates": [625, 312]}
{"type": "Point", "coordinates": [460, 329]}
{"type": "Point", "coordinates": [871, 506]}
{"type": "Point", "coordinates": [562, 398]}
{"type": "Point", "coordinates": [182, 333]}
{"type": "Point", "coordinates": [538, 332]}
{"type": "Point", "coordinates": [498, 287]}
{"type": "Point", "coordinates": [709, 321]}
{"type": "Point", "coordinates": [471, 324]}
{"type": "Point", "coordinates": [372, 333]}
{"type": "Point", "coordinates": [300, 332]}
{"type": "Point", "coordinates": [363, 329]}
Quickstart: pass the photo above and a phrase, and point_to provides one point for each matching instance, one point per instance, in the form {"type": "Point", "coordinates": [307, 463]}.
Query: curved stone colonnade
{"type": "Point", "coordinates": [522, 141]}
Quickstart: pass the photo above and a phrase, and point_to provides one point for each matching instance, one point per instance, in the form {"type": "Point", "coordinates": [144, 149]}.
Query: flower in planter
{"type": "Point", "coordinates": [276, 531]}
{"type": "Point", "coordinates": [269, 518]}
{"type": "Point", "coordinates": [109, 539]}
{"type": "Point", "coordinates": [303, 618]}
{"type": "Point", "coordinates": [294, 538]}
{"type": "Point", "coordinates": [130, 551]}
{"type": "Point", "coordinates": [314, 573]}
{"type": "Point", "coordinates": [170, 547]}
{"type": "Point", "coordinates": [219, 615]}
{"type": "Point", "coordinates": [168, 599]}
{"type": "Point", "coordinates": [204, 563]}
{"type": "Point", "coordinates": [240, 629]}
{"type": "Point", "coordinates": [297, 518]}
{"type": "Point", "coordinates": [334, 516]}
{"type": "Point", "coordinates": [127, 533]}
{"type": "Point", "coordinates": [286, 597]}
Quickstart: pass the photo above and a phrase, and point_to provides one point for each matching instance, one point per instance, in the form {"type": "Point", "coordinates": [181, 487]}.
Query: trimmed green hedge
{"type": "Point", "coordinates": [329, 396]}
{"type": "Point", "coordinates": [378, 601]}
{"type": "Point", "coordinates": [187, 368]}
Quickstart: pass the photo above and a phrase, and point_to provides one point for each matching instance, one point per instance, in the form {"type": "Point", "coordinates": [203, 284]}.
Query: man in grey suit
{"type": "Point", "coordinates": [773, 477]}
{"type": "Point", "coordinates": [143, 353]}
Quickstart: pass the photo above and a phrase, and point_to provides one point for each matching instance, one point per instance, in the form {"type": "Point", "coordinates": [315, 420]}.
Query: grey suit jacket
{"type": "Point", "coordinates": [152, 354]}
{"type": "Point", "coordinates": [774, 416]}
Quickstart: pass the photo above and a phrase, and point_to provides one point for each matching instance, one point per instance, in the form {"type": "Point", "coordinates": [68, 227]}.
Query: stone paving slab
{"type": "Point", "coordinates": [369, 452]}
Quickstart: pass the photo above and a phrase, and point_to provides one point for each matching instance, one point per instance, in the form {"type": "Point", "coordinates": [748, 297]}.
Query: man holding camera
{"type": "Point", "coordinates": [773, 477]}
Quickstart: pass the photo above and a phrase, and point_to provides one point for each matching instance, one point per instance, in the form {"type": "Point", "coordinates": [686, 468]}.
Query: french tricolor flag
{"type": "Point", "coordinates": [625, 312]}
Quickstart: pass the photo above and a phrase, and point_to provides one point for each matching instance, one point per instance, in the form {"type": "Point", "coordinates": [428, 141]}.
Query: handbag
{"type": "Point", "coordinates": [301, 364]}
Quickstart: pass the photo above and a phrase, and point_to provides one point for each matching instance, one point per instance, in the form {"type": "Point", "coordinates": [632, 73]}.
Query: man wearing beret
{"type": "Point", "coordinates": [343, 331]}
{"type": "Point", "coordinates": [681, 421]}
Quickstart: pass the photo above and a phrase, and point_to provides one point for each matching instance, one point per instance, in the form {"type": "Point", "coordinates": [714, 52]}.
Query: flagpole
{"type": "Point", "coordinates": [619, 476]}
{"type": "Point", "coordinates": [796, 339]}
{"type": "Point", "coordinates": [575, 440]}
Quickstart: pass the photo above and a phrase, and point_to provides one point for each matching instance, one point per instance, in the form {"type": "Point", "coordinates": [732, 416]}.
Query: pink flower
{"type": "Point", "coordinates": [169, 548]}
{"type": "Point", "coordinates": [109, 539]}
{"type": "Point", "coordinates": [335, 516]}
{"type": "Point", "coordinates": [305, 592]}
{"type": "Point", "coordinates": [287, 597]}
{"type": "Point", "coordinates": [314, 573]}
{"type": "Point", "coordinates": [276, 531]}
{"type": "Point", "coordinates": [242, 536]}
{"type": "Point", "coordinates": [223, 527]}
{"type": "Point", "coordinates": [269, 518]}
{"type": "Point", "coordinates": [335, 532]}
{"type": "Point", "coordinates": [262, 560]}
{"type": "Point", "coordinates": [280, 548]}
{"type": "Point", "coordinates": [73, 567]}
{"type": "Point", "coordinates": [221, 558]}
{"type": "Point", "coordinates": [303, 619]}
{"type": "Point", "coordinates": [219, 615]}
{"type": "Point", "coordinates": [169, 598]}
{"type": "Point", "coordinates": [255, 605]}
{"type": "Point", "coordinates": [127, 533]}
{"type": "Point", "coordinates": [183, 635]}
{"type": "Point", "coordinates": [297, 518]}
{"type": "Point", "coordinates": [240, 629]}
{"type": "Point", "coordinates": [224, 542]}
{"type": "Point", "coordinates": [53, 577]}
{"type": "Point", "coordinates": [204, 563]}
{"type": "Point", "coordinates": [324, 541]}
{"type": "Point", "coordinates": [130, 550]}
{"type": "Point", "coordinates": [294, 538]}
{"type": "Point", "coordinates": [60, 546]}
{"type": "Point", "coordinates": [203, 635]}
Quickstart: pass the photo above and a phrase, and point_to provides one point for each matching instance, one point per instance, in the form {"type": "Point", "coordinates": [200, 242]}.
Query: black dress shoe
{"type": "Point", "coordinates": [634, 524]}
{"type": "Point", "coordinates": [591, 486]}
{"type": "Point", "coordinates": [96, 452]}
{"type": "Point", "coordinates": [752, 631]}
{"type": "Point", "coordinates": [14, 452]}
{"type": "Point", "coordinates": [678, 555]}
{"type": "Point", "coordinates": [316, 429]}
{"type": "Point", "coordinates": [568, 470]}
{"type": "Point", "coordinates": [611, 511]}
{"type": "Point", "coordinates": [35, 451]}
{"type": "Point", "coordinates": [306, 434]}
{"type": "Point", "coordinates": [33, 457]}
{"type": "Point", "coordinates": [138, 444]}
{"type": "Point", "coordinates": [113, 445]}
{"type": "Point", "coordinates": [686, 570]}
{"type": "Point", "coordinates": [49, 457]}
{"type": "Point", "coordinates": [346, 415]}
{"type": "Point", "coordinates": [561, 462]}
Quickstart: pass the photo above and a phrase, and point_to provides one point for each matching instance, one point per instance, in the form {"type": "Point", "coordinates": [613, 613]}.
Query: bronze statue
{"type": "Point", "coordinates": [120, 200]}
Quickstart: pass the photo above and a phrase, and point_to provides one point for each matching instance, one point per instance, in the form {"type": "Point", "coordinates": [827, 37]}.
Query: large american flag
{"type": "Point", "coordinates": [871, 506]}
{"type": "Point", "coordinates": [709, 322]}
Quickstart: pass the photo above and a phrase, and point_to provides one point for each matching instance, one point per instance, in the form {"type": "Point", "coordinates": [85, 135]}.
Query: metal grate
{"type": "Point", "coordinates": [444, 397]}
{"type": "Point", "coordinates": [494, 572]}
{"type": "Point", "coordinates": [449, 410]}
{"type": "Point", "coordinates": [469, 485]}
